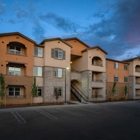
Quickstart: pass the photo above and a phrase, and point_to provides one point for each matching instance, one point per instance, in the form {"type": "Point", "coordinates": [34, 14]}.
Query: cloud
{"type": "Point", "coordinates": [2, 6]}
{"type": "Point", "coordinates": [26, 15]}
{"type": "Point", "coordinates": [123, 25]}
{"type": "Point", "coordinates": [59, 22]}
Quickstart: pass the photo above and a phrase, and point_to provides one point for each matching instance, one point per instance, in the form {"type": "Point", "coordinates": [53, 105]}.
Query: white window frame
{"type": "Point", "coordinates": [14, 72]}
{"type": "Point", "coordinates": [58, 54]}
{"type": "Point", "coordinates": [37, 70]}
{"type": "Point", "coordinates": [39, 51]}
{"type": "Point", "coordinates": [58, 72]}
{"type": "Point", "coordinates": [125, 79]}
{"type": "Point", "coordinates": [14, 91]}
{"type": "Point", "coordinates": [116, 76]}
{"type": "Point", "coordinates": [125, 66]}
{"type": "Point", "coordinates": [116, 65]}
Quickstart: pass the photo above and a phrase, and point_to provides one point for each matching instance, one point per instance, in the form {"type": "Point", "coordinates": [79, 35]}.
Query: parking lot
{"type": "Point", "coordinates": [102, 121]}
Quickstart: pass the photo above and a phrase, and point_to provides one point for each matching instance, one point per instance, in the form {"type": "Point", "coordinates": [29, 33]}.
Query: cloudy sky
{"type": "Point", "coordinates": [113, 25]}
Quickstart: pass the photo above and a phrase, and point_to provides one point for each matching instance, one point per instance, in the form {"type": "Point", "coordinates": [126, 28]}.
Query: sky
{"type": "Point", "coordinates": [114, 25]}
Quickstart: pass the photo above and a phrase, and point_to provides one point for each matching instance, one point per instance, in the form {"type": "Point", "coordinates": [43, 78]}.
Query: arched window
{"type": "Point", "coordinates": [16, 48]}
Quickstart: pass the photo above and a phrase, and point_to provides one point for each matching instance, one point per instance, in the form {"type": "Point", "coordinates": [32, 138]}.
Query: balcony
{"type": "Point", "coordinates": [16, 48]}
{"type": "Point", "coordinates": [137, 68]}
{"type": "Point", "coordinates": [12, 51]}
{"type": "Point", "coordinates": [97, 79]}
{"type": "Point", "coordinates": [97, 61]}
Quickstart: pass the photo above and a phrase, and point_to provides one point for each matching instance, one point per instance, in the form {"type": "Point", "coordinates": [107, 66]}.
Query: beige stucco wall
{"type": "Point", "coordinates": [51, 62]}
{"type": "Point", "coordinates": [96, 52]}
{"type": "Point", "coordinates": [77, 47]}
{"type": "Point", "coordinates": [39, 61]}
{"type": "Point", "coordinates": [80, 64]}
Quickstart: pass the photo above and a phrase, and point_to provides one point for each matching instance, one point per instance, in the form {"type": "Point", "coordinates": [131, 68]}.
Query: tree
{"type": "Point", "coordinates": [34, 88]}
{"type": "Point", "coordinates": [114, 88]}
{"type": "Point", "coordinates": [2, 86]}
{"type": "Point", "coordinates": [125, 90]}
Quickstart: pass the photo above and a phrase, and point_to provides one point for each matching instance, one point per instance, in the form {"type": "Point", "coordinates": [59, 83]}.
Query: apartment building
{"type": "Point", "coordinates": [87, 70]}
{"type": "Point", "coordinates": [116, 71]}
{"type": "Point", "coordinates": [16, 64]}
{"type": "Point", "coordinates": [65, 69]}
{"type": "Point", "coordinates": [134, 76]}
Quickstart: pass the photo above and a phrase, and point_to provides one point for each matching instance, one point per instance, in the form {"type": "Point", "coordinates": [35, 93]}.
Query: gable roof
{"type": "Point", "coordinates": [53, 39]}
{"type": "Point", "coordinates": [130, 59]}
{"type": "Point", "coordinates": [116, 60]}
{"type": "Point", "coordinates": [17, 33]}
{"type": "Point", "coordinates": [95, 48]}
{"type": "Point", "coordinates": [75, 38]}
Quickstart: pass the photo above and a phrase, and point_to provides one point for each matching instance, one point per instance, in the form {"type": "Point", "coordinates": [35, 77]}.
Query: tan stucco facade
{"type": "Point", "coordinates": [25, 61]}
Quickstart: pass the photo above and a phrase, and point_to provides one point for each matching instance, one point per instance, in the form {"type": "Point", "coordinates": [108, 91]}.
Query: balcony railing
{"type": "Point", "coordinates": [137, 70]}
{"type": "Point", "coordinates": [138, 95]}
{"type": "Point", "coordinates": [16, 96]}
{"type": "Point", "coordinates": [98, 80]}
{"type": "Point", "coordinates": [98, 65]}
{"type": "Point", "coordinates": [137, 82]}
{"type": "Point", "coordinates": [12, 51]}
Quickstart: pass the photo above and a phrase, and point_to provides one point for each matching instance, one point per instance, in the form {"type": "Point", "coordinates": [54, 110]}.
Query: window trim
{"type": "Point", "coordinates": [115, 65]}
{"type": "Point", "coordinates": [57, 76]}
{"type": "Point", "coordinates": [37, 75]}
{"type": "Point", "coordinates": [61, 90]}
{"type": "Point", "coordinates": [37, 54]}
{"type": "Point", "coordinates": [124, 79]}
{"type": "Point", "coordinates": [58, 49]}
{"type": "Point", "coordinates": [14, 91]}
{"type": "Point", "coordinates": [126, 65]}
{"type": "Point", "coordinates": [114, 78]}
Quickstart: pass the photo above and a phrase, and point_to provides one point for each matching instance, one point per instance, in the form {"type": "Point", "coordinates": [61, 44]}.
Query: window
{"type": "Point", "coordinates": [116, 78]}
{"type": "Point", "coordinates": [37, 71]}
{"type": "Point", "coordinates": [116, 65]}
{"type": "Point", "coordinates": [14, 49]}
{"type": "Point", "coordinates": [58, 91]}
{"type": "Point", "coordinates": [58, 72]}
{"type": "Point", "coordinates": [14, 91]}
{"type": "Point", "coordinates": [106, 63]}
{"type": "Point", "coordinates": [59, 54]}
{"type": "Point", "coordinates": [125, 79]}
{"type": "Point", "coordinates": [38, 51]}
{"type": "Point", "coordinates": [13, 70]}
{"type": "Point", "coordinates": [125, 66]}
{"type": "Point", "coordinates": [39, 91]}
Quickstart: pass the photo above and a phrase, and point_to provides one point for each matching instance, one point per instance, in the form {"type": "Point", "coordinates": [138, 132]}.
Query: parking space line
{"type": "Point", "coordinates": [88, 110]}
{"type": "Point", "coordinates": [46, 114]}
{"type": "Point", "coordinates": [18, 117]}
{"type": "Point", "coordinates": [75, 114]}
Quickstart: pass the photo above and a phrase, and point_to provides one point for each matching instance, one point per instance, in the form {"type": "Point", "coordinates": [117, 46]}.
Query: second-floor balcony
{"type": "Point", "coordinates": [137, 80]}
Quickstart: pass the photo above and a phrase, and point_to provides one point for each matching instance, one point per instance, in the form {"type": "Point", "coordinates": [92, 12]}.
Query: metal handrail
{"type": "Point", "coordinates": [101, 65]}
{"type": "Point", "coordinates": [76, 93]}
{"type": "Point", "coordinates": [80, 92]}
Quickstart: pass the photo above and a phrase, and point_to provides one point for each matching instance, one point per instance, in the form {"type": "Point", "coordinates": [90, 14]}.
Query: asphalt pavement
{"type": "Point", "coordinates": [102, 121]}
